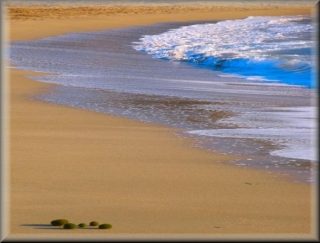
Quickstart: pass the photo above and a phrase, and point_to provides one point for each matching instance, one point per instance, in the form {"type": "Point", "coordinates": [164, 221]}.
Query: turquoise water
{"type": "Point", "coordinates": [272, 49]}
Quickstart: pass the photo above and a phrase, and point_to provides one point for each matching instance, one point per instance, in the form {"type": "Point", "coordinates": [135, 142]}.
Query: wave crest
{"type": "Point", "coordinates": [277, 48]}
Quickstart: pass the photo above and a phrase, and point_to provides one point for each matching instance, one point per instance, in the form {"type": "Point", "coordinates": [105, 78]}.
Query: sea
{"type": "Point", "coordinates": [244, 87]}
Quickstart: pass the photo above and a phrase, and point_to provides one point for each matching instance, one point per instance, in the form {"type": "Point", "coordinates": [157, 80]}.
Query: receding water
{"type": "Point", "coordinates": [101, 71]}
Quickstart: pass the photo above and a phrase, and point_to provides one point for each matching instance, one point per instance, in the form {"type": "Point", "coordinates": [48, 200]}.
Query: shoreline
{"type": "Point", "coordinates": [28, 132]}
{"type": "Point", "coordinates": [158, 95]}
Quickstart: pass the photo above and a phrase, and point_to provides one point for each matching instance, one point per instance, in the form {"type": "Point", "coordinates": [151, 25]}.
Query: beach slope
{"type": "Point", "coordinates": [143, 179]}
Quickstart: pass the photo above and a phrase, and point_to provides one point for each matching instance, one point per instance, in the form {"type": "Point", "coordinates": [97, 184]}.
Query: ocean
{"type": "Point", "coordinates": [242, 87]}
{"type": "Point", "coordinates": [273, 49]}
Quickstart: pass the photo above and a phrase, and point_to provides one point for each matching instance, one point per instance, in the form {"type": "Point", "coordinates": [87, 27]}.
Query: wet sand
{"type": "Point", "coordinates": [143, 179]}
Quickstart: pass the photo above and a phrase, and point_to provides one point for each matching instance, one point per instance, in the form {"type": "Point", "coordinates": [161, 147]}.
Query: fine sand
{"type": "Point", "coordinates": [143, 179]}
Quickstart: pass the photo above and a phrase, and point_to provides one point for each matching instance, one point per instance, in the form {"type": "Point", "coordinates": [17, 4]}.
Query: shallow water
{"type": "Point", "coordinates": [102, 72]}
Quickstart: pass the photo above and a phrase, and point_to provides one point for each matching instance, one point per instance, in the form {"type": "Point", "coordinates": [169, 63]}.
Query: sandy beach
{"type": "Point", "coordinates": [141, 178]}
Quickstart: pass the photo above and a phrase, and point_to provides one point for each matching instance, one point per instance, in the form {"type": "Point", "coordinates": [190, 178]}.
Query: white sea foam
{"type": "Point", "coordinates": [250, 38]}
{"type": "Point", "coordinates": [270, 46]}
{"type": "Point", "coordinates": [293, 129]}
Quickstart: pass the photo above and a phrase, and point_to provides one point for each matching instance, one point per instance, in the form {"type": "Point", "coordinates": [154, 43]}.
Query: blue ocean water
{"type": "Point", "coordinates": [100, 71]}
{"type": "Point", "coordinates": [268, 48]}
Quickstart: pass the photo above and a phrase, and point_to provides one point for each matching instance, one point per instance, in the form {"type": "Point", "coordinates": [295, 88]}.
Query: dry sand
{"type": "Point", "coordinates": [143, 179]}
